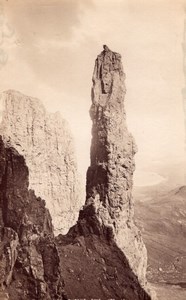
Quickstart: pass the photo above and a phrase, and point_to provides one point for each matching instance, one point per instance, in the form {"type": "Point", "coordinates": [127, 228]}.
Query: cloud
{"type": "Point", "coordinates": [56, 43]}
{"type": "Point", "coordinates": [45, 19]}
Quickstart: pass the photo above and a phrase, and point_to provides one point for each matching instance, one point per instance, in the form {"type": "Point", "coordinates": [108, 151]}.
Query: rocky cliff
{"type": "Point", "coordinates": [115, 258]}
{"type": "Point", "coordinates": [29, 261]}
{"type": "Point", "coordinates": [46, 143]}
{"type": "Point", "coordinates": [34, 265]}
{"type": "Point", "coordinates": [110, 175]}
{"type": "Point", "coordinates": [103, 255]}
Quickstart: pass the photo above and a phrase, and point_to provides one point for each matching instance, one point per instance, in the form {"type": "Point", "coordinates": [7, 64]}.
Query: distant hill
{"type": "Point", "coordinates": [162, 219]}
{"type": "Point", "coordinates": [181, 191]}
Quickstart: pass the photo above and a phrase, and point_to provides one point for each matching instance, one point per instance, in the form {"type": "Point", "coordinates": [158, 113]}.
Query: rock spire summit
{"type": "Point", "coordinates": [110, 175]}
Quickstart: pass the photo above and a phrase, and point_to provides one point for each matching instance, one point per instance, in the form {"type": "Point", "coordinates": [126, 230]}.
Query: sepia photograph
{"type": "Point", "coordinates": [92, 149]}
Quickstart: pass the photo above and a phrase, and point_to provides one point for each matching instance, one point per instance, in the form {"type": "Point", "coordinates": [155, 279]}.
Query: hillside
{"type": "Point", "coordinates": [162, 219]}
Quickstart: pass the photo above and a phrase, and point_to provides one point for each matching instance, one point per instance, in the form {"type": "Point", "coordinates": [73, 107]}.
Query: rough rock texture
{"type": "Point", "coordinates": [93, 267]}
{"type": "Point", "coordinates": [8, 249]}
{"type": "Point", "coordinates": [102, 256]}
{"type": "Point", "coordinates": [114, 256]}
{"type": "Point", "coordinates": [29, 261]}
{"type": "Point", "coordinates": [109, 178]}
{"type": "Point", "coordinates": [47, 146]}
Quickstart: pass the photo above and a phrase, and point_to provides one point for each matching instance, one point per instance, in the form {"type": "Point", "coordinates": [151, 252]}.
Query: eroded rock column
{"type": "Point", "coordinates": [110, 175]}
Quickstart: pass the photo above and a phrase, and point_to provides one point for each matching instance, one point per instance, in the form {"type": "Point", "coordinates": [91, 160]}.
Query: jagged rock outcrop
{"type": "Point", "coordinates": [105, 233]}
{"type": "Point", "coordinates": [46, 143]}
{"type": "Point", "coordinates": [32, 267]}
{"type": "Point", "coordinates": [93, 267]}
{"type": "Point", "coordinates": [29, 261]}
{"type": "Point", "coordinates": [102, 256]}
{"type": "Point", "coordinates": [110, 175]}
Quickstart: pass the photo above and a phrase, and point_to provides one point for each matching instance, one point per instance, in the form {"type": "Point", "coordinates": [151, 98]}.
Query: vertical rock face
{"type": "Point", "coordinates": [47, 146]}
{"type": "Point", "coordinates": [114, 256]}
{"type": "Point", "coordinates": [29, 261]}
{"type": "Point", "coordinates": [85, 262]}
{"type": "Point", "coordinates": [110, 175]}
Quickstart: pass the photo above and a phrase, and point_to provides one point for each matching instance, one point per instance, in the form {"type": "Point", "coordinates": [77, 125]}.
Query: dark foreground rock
{"type": "Point", "coordinates": [29, 261]}
{"type": "Point", "coordinates": [95, 268]}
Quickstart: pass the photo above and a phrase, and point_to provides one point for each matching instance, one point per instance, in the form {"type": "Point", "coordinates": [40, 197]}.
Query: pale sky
{"type": "Point", "coordinates": [48, 49]}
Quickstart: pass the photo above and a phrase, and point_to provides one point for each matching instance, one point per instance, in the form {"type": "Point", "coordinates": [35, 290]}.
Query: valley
{"type": "Point", "coordinates": [161, 215]}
